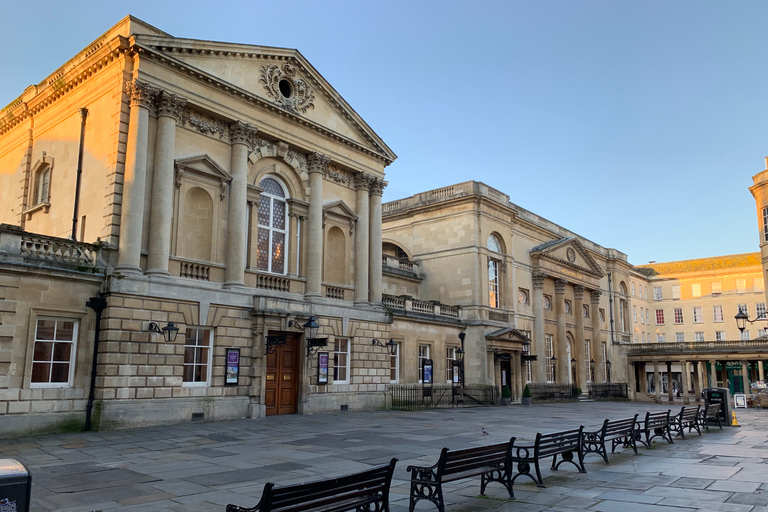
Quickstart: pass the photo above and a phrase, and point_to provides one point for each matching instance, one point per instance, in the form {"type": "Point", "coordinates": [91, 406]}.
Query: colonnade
{"type": "Point", "coordinates": [169, 108]}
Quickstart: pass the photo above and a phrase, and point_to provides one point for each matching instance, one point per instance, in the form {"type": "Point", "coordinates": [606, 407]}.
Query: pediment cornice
{"type": "Point", "coordinates": [554, 249]}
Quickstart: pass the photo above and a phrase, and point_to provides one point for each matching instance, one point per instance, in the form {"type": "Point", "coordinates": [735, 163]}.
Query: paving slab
{"type": "Point", "coordinates": [200, 467]}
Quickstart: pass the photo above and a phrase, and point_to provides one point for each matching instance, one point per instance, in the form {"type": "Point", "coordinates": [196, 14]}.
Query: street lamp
{"type": "Point", "coordinates": [592, 369]}
{"type": "Point", "coordinates": [460, 359]}
{"type": "Point", "coordinates": [554, 369]}
{"type": "Point", "coordinates": [608, 371]}
{"type": "Point", "coordinates": [391, 345]}
{"type": "Point", "coordinates": [169, 332]}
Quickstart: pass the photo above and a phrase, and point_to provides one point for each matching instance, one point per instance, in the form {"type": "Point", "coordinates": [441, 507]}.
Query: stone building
{"type": "Point", "coordinates": [521, 286]}
{"type": "Point", "coordinates": [227, 189]}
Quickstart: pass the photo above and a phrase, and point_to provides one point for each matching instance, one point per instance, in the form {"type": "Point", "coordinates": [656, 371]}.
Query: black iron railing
{"type": "Point", "coordinates": [551, 391]}
{"type": "Point", "coordinates": [609, 390]}
{"type": "Point", "coordinates": [413, 397]}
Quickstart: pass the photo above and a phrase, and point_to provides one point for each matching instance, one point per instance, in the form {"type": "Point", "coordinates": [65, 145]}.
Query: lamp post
{"type": "Point", "coordinates": [574, 384]}
{"type": "Point", "coordinates": [460, 359]}
{"type": "Point", "coordinates": [742, 318]}
{"type": "Point", "coordinates": [608, 371]}
{"type": "Point", "coordinates": [553, 359]}
{"type": "Point", "coordinates": [592, 369]}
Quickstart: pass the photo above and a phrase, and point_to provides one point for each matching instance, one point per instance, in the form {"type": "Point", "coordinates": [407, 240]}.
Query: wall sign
{"type": "Point", "coordinates": [741, 400]}
{"type": "Point", "coordinates": [322, 368]}
{"type": "Point", "coordinates": [233, 367]}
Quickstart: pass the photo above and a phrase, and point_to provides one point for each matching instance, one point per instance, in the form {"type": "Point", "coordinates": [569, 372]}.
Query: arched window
{"type": "Point", "coordinates": [272, 228]}
{"type": "Point", "coordinates": [493, 245]}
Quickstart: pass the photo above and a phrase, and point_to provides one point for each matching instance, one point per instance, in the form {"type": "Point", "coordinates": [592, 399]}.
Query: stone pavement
{"type": "Point", "coordinates": [203, 466]}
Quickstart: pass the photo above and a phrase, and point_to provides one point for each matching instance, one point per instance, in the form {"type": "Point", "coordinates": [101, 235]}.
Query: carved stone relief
{"type": "Point", "coordinates": [286, 88]}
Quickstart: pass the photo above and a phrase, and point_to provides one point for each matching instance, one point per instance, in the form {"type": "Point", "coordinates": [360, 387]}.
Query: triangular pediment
{"type": "Point", "coordinates": [202, 164]}
{"type": "Point", "coordinates": [508, 334]}
{"type": "Point", "coordinates": [281, 77]}
{"type": "Point", "coordinates": [339, 209]}
{"type": "Point", "coordinates": [568, 252]}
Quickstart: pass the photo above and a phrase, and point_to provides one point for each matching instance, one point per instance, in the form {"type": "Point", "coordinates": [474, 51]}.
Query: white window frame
{"type": "Point", "coordinates": [394, 365]}
{"type": "Point", "coordinates": [72, 352]}
{"type": "Point", "coordinates": [494, 299]}
{"type": "Point", "coordinates": [716, 288]}
{"type": "Point", "coordinates": [661, 337]}
{"type": "Point", "coordinates": [286, 232]}
{"type": "Point", "coordinates": [548, 353]}
{"type": "Point", "coordinates": [698, 336]}
{"type": "Point", "coordinates": [634, 313]}
{"type": "Point", "coordinates": [194, 363]}
{"type": "Point", "coordinates": [698, 315]}
{"type": "Point", "coordinates": [745, 335]}
{"type": "Point", "coordinates": [677, 314]}
{"type": "Point", "coordinates": [450, 357]}
{"type": "Point", "coordinates": [659, 316]}
{"type": "Point", "coordinates": [657, 295]}
{"type": "Point", "coordinates": [719, 335]}
{"type": "Point", "coordinates": [423, 354]}
{"type": "Point", "coordinates": [339, 352]}
{"type": "Point", "coordinates": [717, 313]}
{"type": "Point", "coordinates": [760, 312]}
{"type": "Point", "coordinates": [679, 337]}
{"type": "Point", "coordinates": [695, 290]}
{"type": "Point", "coordinates": [675, 291]}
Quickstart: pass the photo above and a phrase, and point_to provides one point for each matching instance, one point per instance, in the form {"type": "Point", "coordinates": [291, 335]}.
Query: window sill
{"type": "Point", "coordinates": [41, 206]}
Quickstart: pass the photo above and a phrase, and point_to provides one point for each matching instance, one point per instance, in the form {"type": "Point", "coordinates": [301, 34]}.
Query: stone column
{"type": "Point", "coordinates": [293, 254]}
{"type": "Point", "coordinates": [563, 361]}
{"type": "Point", "coordinates": [745, 376]}
{"type": "Point", "coordinates": [578, 300]}
{"type": "Point", "coordinates": [595, 348]}
{"type": "Point", "coordinates": [134, 178]}
{"type": "Point", "coordinates": [724, 370]}
{"type": "Point", "coordinates": [712, 377]}
{"type": "Point", "coordinates": [169, 109]}
{"type": "Point", "coordinates": [686, 374]}
{"type": "Point", "coordinates": [760, 370]}
{"type": "Point", "coordinates": [642, 374]}
{"type": "Point", "coordinates": [700, 379]}
{"type": "Point", "coordinates": [657, 381]}
{"type": "Point", "coordinates": [539, 367]}
{"type": "Point", "coordinates": [670, 393]}
{"type": "Point", "coordinates": [317, 167]}
{"type": "Point", "coordinates": [374, 265]}
{"type": "Point", "coordinates": [631, 378]}
{"type": "Point", "coordinates": [241, 136]}
{"type": "Point", "coordinates": [362, 237]}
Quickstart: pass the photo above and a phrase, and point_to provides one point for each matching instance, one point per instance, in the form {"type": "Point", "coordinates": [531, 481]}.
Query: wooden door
{"type": "Point", "coordinates": [282, 386]}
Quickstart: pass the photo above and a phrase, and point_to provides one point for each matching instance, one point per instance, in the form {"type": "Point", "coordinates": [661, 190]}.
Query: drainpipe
{"type": "Point", "coordinates": [98, 304]}
{"type": "Point", "coordinates": [610, 305]}
{"type": "Point", "coordinates": [83, 116]}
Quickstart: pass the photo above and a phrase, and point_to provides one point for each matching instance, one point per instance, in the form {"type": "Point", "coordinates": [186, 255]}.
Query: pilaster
{"type": "Point", "coordinates": [362, 237]}
{"type": "Point", "coordinates": [377, 186]}
{"type": "Point", "coordinates": [540, 365]}
{"type": "Point", "coordinates": [318, 164]}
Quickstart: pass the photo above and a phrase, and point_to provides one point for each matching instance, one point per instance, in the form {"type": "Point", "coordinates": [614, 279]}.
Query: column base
{"type": "Point", "coordinates": [158, 272]}
{"type": "Point", "coordinates": [313, 295]}
{"type": "Point", "coordinates": [234, 285]}
{"type": "Point", "coordinates": [361, 303]}
{"type": "Point", "coordinates": [128, 269]}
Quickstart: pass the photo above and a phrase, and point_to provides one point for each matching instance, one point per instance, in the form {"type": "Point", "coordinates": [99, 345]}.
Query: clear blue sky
{"type": "Point", "coordinates": [636, 124]}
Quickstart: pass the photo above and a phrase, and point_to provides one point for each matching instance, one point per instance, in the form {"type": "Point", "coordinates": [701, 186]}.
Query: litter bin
{"type": "Point", "coordinates": [15, 486]}
{"type": "Point", "coordinates": [720, 396]}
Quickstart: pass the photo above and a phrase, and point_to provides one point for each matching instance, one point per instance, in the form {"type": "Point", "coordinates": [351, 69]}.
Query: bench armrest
{"type": "Point", "coordinates": [427, 473]}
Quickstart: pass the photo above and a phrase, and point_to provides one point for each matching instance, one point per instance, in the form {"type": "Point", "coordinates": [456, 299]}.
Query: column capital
{"type": "Point", "coordinates": [141, 93]}
{"type": "Point", "coordinates": [169, 105]}
{"type": "Point", "coordinates": [595, 296]}
{"type": "Point", "coordinates": [377, 186]}
{"type": "Point", "coordinates": [560, 286]}
{"type": "Point", "coordinates": [578, 292]}
{"type": "Point", "coordinates": [242, 133]}
{"type": "Point", "coordinates": [538, 279]}
{"type": "Point", "coordinates": [318, 162]}
{"type": "Point", "coordinates": [363, 181]}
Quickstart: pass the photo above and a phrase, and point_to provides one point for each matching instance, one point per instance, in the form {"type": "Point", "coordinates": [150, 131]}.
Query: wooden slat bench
{"type": "Point", "coordinates": [618, 432]}
{"type": "Point", "coordinates": [710, 414]}
{"type": "Point", "coordinates": [565, 443]}
{"type": "Point", "coordinates": [490, 462]}
{"type": "Point", "coordinates": [688, 417]}
{"type": "Point", "coordinates": [367, 490]}
{"type": "Point", "coordinates": [655, 424]}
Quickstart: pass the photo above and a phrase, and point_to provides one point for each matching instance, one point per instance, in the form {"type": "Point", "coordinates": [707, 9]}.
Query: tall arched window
{"type": "Point", "coordinates": [272, 227]}
{"type": "Point", "coordinates": [493, 245]}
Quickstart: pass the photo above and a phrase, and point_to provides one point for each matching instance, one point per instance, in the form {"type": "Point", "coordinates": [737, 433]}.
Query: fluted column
{"type": "Point", "coordinates": [374, 265]}
{"type": "Point", "coordinates": [684, 381]}
{"type": "Point", "coordinates": [595, 347]}
{"type": "Point", "coordinates": [169, 109]}
{"type": "Point", "coordinates": [317, 167]}
{"type": "Point", "coordinates": [241, 136]}
{"type": "Point", "coordinates": [134, 178]}
{"type": "Point", "coordinates": [563, 361]}
{"type": "Point", "coordinates": [362, 237]}
{"type": "Point", "coordinates": [578, 300]}
{"type": "Point", "coordinates": [539, 373]}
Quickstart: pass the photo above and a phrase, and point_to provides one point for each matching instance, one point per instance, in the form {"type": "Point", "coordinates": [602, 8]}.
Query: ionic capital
{"type": "Point", "coordinates": [242, 133]}
{"type": "Point", "coordinates": [141, 93]}
{"type": "Point", "coordinates": [538, 279]}
{"type": "Point", "coordinates": [560, 285]}
{"type": "Point", "coordinates": [170, 105]}
{"type": "Point", "coordinates": [318, 162]}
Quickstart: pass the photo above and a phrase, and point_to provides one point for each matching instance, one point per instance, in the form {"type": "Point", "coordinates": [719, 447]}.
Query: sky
{"type": "Point", "coordinates": [636, 124]}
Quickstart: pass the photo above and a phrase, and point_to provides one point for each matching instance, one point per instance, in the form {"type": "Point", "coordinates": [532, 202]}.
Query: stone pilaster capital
{"type": "Point", "coordinates": [363, 181]}
{"type": "Point", "coordinates": [170, 105]}
{"type": "Point", "coordinates": [560, 286]}
{"type": "Point", "coordinates": [141, 93]}
{"type": "Point", "coordinates": [318, 162]}
{"type": "Point", "coordinates": [595, 296]}
{"type": "Point", "coordinates": [242, 133]}
{"type": "Point", "coordinates": [377, 186]}
{"type": "Point", "coordinates": [538, 279]}
{"type": "Point", "coordinates": [578, 292]}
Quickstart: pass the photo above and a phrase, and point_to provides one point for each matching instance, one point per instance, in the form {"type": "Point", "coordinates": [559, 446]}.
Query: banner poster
{"type": "Point", "coordinates": [322, 368]}
{"type": "Point", "coordinates": [233, 367]}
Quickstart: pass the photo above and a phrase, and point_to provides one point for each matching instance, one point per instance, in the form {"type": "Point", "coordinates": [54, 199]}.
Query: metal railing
{"type": "Point", "coordinates": [608, 390]}
{"type": "Point", "coordinates": [415, 397]}
{"type": "Point", "coordinates": [551, 391]}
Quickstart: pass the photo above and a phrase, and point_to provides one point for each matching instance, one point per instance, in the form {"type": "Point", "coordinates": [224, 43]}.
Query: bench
{"type": "Point", "coordinates": [490, 462]}
{"type": "Point", "coordinates": [710, 414]}
{"type": "Point", "coordinates": [565, 443]}
{"type": "Point", "coordinates": [655, 424]}
{"type": "Point", "coordinates": [688, 417]}
{"type": "Point", "coordinates": [618, 432]}
{"type": "Point", "coordinates": [367, 490]}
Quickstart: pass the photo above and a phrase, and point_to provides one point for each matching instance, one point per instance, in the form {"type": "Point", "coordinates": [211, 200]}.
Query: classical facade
{"type": "Point", "coordinates": [536, 302]}
{"type": "Point", "coordinates": [223, 188]}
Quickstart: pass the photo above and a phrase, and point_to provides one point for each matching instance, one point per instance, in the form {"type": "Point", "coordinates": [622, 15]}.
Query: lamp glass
{"type": "Point", "coordinates": [310, 329]}
{"type": "Point", "coordinates": [741, 320]}
{"type": "Point", "coordinates": [170, 332]}
{"type": "Point", "coordinates": [573, 362]}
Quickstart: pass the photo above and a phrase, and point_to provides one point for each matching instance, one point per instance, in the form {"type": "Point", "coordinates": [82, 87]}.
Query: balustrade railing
{"type": "Point", "coordinates": [274, 283]}
{"type": "Point", "coordinates": [197, 271]}
{"type": "Point", "coordinates": [696, 346]}
{"type": "Point", "coordinates": [404, 304]}
{"type": "Point", "coordinates": [59, 250]}
{"type": "Point", "coordinates": [334, 292]}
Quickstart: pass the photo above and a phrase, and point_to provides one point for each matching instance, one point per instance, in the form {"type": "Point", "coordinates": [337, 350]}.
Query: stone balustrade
{"type": "Point", "coordinates": [19, 245]}
{"type": "Point", "coordinates": [404, 304]}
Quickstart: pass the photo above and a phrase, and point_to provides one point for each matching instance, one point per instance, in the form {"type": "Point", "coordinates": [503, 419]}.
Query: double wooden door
{"type": "Point", "coordinates": [282, 384]}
